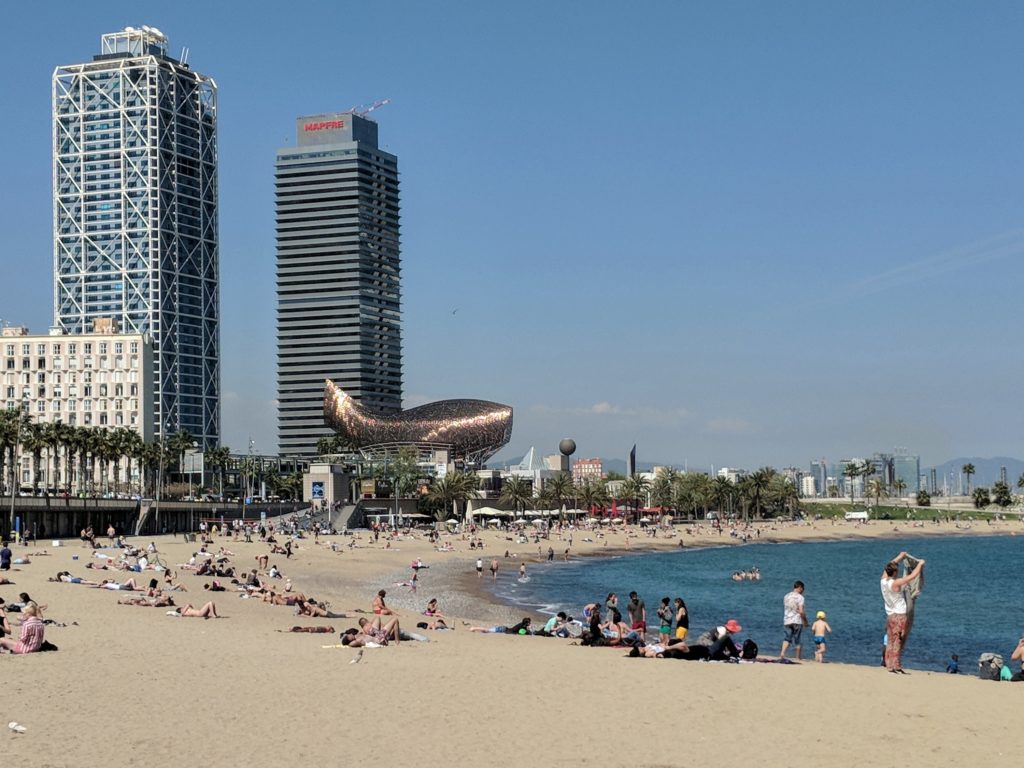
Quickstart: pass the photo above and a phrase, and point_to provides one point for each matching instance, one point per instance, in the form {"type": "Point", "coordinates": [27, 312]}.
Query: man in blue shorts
{"type": "Point", "coordinates": [794, 619]}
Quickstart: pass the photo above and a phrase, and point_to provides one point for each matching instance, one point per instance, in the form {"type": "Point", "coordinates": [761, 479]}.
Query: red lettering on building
{"type": "Point", "coordinates": [327, 125]}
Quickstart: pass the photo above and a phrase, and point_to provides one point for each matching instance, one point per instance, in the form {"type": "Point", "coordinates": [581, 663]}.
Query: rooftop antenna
{"type": "Point", "coordinates": [362, 110]}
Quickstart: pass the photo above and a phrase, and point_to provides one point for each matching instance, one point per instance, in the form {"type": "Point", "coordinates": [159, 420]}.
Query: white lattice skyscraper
{"type": "Point", "coordinates": [135, 215]}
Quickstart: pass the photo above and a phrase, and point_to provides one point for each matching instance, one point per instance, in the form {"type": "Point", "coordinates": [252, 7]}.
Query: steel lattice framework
{"type": "Point", "coordinates": [135, 215]}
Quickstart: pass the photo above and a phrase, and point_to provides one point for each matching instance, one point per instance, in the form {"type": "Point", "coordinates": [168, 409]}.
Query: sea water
{"type": "Point", "coordinates": [973, 598]}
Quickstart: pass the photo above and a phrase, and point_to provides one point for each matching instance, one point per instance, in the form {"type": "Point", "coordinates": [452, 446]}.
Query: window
{"type": "Point", "coordinates": [72, 404]}
{"type": "Point", "coordinates": [135, 362]}
{"type": "Point", "coordinates": [103, 390]}
{"type": "Point", "coordinates": [40, 349]}
{"type": "Point", "coordinates": [87, 419]}
{"type": "Point", "coordinates": [87, 348]}
{"type": "Point", "coordinates": [57, 364]}
{"type": "Point", "coordinates": [73, 419]}
{"type": "Point", "coordinates": [56, 405]}
{"type": "Point", "coordinates": [26, 363]}
{"type": "Point", "coordinates": [41, 406]}
{"type": "Point", "coordinates": [103, 419]}
{"type": "Point", "coordinates": [55, 349]}
{"type": "Point", "coordinates": [133, 348]}
{"type": "Point", "coordinates": [118, 405]}
{"type": "Point", "coordinates": [72, 348]}
{"type": "Point", "coordinates": [25, 348]}
{"type": "Point", "coordinates": [119, 390]}
{"type": "Point", "coordinates": [103, 347]}
{"type": "Point", "coordinates": [118, 347]}
{"type": "Point", "coordinates": [10, 350]}
{"type": "Point", "coordinates": [41, 377]}
{"type": "Point", "coordinates": [41, 362]}
{"type": "Point", "coordinates": [87, 376]}
{"type": "Point", "coordinates": [41, 392]}
{"type": "Point", "coordinates": [119, 419]}
{"type": "Point", "coordinates": [133, 390]}
{"type": "Point", "coordinates": [87, 405]}
{"type": "Point", "coordinates": [87, 390]}
{"type": "Point", "coordinates": [10, 391]}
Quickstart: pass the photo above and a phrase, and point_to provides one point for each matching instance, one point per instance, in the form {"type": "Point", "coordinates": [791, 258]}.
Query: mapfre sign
{"type": "Point", "coordinates": [326, 125]}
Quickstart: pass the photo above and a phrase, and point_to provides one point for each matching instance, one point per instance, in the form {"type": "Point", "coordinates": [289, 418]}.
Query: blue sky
{"type": "Point", "coordinates": [733, 233]}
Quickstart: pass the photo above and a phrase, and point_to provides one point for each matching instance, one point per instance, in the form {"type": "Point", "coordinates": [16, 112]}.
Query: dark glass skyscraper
{"type": "Point", "coordinates": [135, 215]}
{"type": "Point", "coordinates": [338, 275]}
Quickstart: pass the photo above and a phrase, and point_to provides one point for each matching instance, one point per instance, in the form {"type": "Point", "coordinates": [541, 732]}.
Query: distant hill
{"type": "Point", "coordinates": [986, 471]}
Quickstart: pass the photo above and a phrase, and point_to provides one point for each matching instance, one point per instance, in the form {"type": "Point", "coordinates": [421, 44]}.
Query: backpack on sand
{"type": "Point", "coordinates": [989, 666]}
{"type": "Point", "coordinates": [749, 650]}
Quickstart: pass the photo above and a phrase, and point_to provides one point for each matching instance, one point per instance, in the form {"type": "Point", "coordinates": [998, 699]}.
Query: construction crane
{"type": "Point", "coordinates": [362, 110]}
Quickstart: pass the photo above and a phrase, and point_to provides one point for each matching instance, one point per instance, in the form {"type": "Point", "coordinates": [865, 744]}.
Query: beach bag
{"type": "Point", "coordinates": [989, 666]}
{"type": "Point", "coordinates": [47, 646]}
{"type": "Point", "coordinates": [1005, 674]}
{"type": "Point", "coordinates": [749, 650]}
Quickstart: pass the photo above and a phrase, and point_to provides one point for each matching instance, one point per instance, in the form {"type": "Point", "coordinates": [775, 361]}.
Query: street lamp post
{"type": "Point", "coordinates": [160, 472]}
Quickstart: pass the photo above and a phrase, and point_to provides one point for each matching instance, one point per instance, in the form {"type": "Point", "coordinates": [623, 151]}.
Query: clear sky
{"type": "Point", "coordinates": [733, 233]}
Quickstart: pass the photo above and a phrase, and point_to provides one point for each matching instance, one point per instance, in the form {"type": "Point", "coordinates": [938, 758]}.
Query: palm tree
{"type": "Point", "coordinates": [177, 444]}
{"type": "Point", "coordinates": [634, 488]}
{"type": "Point", "coordinates": [722, 493]}
{"type": "Point", "coordinates": [981, 497]}
{"type": "Point", "coordinates": [968, 469]}
{"type": "Point", "coordinates": [757, 486]}
{"type": "Point", "coordinates": [517, 491]}
{"type": "Point", "coordinates": [592, 494]}
{"type": "Point", "coordinates": [852, 471]}
{"type": "Point", "coordinates": [663, 488]}
{"type": "Point", "coordinates": [33, 440]}
{"type": "Point", "coordinates": [129, 443]}
{"type": "Point", "coordinates": [9, 426]}
{"type": "Point", "coordinates": [218, 458]}
{"type": "Point", "coordinates": [899, 485]}
{"type": "Point", "coordinates": [453, 488]}
{"type": "Point", "coordinates": [876, 487]}
{"type": "Point", "coordinates": [558, 489]}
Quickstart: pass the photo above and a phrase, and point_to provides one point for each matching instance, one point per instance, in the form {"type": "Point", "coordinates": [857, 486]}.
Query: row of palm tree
{"type": "Point", "coordinates": [65, 457]}
{"type": "Point", "coordinates": [761, 493]}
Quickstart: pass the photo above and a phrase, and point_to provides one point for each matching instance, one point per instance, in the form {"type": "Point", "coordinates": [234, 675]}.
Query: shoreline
{"type": "Point", "coordinates": [476, 599]}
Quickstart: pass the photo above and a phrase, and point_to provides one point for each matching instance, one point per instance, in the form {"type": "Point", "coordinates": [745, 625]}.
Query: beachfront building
{"type": "Point", "coordinates": [907, 469]}
{"type": "Point", "coordinates": [808, 486]}
{"type": "Point", "coordinates": [101, 379]}
{"type": "Point", "coordinates": [338, 270]}
{"type": "Point", "coordinates": [584, 470]}
{"type": "Point", "coordinates": [731, 474]}
{"type": "Point", "coordinates": [135, 216]}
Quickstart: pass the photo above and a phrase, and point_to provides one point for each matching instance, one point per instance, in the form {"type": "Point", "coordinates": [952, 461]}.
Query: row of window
{"type": "Point", "coordinates": [57, 363]}
{"type": "Point", "coordinates": [89, 419]}
{"type": "Point", "coordinates": [87, 347]}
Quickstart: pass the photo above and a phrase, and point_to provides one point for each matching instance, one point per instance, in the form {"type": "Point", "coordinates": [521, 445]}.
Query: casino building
{"type": "Point", "coordinates": [338, 275]}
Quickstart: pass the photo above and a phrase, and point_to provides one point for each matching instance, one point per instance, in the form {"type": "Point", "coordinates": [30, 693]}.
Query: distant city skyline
{"type": "Point", "coordinates": [732, 234]}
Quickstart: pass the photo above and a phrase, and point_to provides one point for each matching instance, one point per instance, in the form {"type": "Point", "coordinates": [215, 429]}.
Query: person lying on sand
{"type": "Point", "coordinates": [67, 578]}
{"type": "Point", "coordinates": [208, 611]}
{"type": "Point", "coordinates": [129, 585]}
{"type": "Point", "coordinates": [372, 631]}
{"type": "Point", "coordinates": [158, 601]}
{"type": "Point", "coordinates": [310, 608]}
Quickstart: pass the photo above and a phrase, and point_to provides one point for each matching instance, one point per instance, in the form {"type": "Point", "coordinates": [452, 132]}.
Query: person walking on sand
{"type": "Point", "coordinates": [896, 610]}
{"type": "Point", "coordinates": [494, 569]}
{"type": "Point", "coordinates": [479, 567]}
{"type": "Point", "coordinates": [818, 631]}
{"type": "Point", "coordinates": [794, 619]}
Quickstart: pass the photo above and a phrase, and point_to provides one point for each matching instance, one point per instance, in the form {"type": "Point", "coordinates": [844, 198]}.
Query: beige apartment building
{"type": "Point", "coordinates": [100, 379]}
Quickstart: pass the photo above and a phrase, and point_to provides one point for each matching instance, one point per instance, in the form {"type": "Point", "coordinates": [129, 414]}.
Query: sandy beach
{"type": "Point", "coordinates": [134, 684]}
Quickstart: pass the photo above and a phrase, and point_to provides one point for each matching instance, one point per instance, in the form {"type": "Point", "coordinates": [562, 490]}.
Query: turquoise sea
{"type": "Point", "coordinates": [973, 600]}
